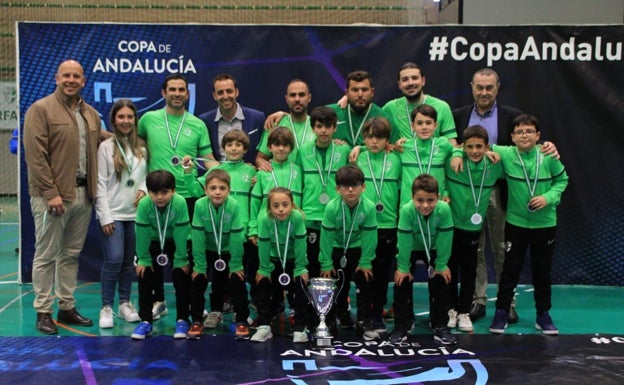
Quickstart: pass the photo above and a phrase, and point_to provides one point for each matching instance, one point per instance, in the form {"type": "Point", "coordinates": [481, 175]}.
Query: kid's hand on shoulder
{"type": "Point", "coordinates": [494, 157]}
{"type": "Point", "coordinates": [549, 148]}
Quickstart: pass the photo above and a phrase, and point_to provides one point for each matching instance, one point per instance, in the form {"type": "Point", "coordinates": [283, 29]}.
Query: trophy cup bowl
{"type": "Point", "coordinates": [321, 294]}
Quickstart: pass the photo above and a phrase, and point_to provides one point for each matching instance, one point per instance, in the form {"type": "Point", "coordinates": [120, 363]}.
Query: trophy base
{"type": "Point", "coordinates": [323, 343]}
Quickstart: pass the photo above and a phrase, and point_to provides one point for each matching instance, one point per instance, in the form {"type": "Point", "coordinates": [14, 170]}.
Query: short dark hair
{"type": "Point", "coordinates": [174, 77]}
{"type": "Point", "coordinates": [160, 180]}
{"type": "Point", "coordinates": [410, 65]}
{"type": "Point", "coordinates": [426, 183]}
{"type": "Point", "coordinates": [281, 136]}
{"type": "Point", "coordinates": [377, 127]}
{"type": "Point", "coordinates": [221, 77]}
{"type": "Point", "coordinates": [235, 136]}
{"type": "Point", "coordinates": [349, 175]}
{"type": "Point", "coordinates": [218, 174]}
{"type": "Point", "coordinates": [324, 115]}
{"type": "Point", "coordinates": [297, 80]}
{"type": "Point", "coordinates": [359, 76]}
{"type": "Point", "coordinates": [525, 119]}
{"type": "Point", "coordinates": [475, 131]}
{"type": "Point", "coordinates": [425, 109]}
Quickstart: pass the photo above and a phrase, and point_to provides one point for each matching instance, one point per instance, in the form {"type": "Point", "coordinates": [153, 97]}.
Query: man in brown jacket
{"type": "Point", "coordinates": [61, 137]}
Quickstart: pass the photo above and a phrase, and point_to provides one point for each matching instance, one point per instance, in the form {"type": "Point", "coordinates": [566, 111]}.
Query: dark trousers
{"type": "Point", "coordinates": [364, 288]}
{"type": "Point", "coordinates": [238, 292]}
{"type": "Point", "coordinates": [438, 297]}
{"type": "Point", "coordinates": [313, 251]}
{"type": "Point", "coordinates": [384, 265]}
{"type": "Point", "coordinates": [158, 281]}
{"type": "Point", "coordinates": [269, 292]}
{"type": "Point", "coordinates": [541, 245]}
{"type": "Point", "coordinates": [181, 284]}
{"type": "Point", "coordinates": [463, 265]}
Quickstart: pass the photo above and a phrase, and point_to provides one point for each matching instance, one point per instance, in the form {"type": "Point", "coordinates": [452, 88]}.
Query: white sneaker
{"type": "Point", "coordinates": [262, 334]}
{"type": "Point", "coordinates": [464, 323]}
{"type": "Point", "coordinates": [213, 319]}
{"type": "Point", "coordinates": [128, 312]}
{"type": "Point", "coordinates": [300, 337]}
{"type": "Point", "coordinates": [452, 322]}
{"type": "Point", "coordinates": [159, 309]}
{"type": "Point", "coordinates": [106, 318]}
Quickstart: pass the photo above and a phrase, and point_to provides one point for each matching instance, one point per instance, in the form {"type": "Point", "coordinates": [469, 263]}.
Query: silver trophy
{"type": "Point", "coordinates": [321, 294]}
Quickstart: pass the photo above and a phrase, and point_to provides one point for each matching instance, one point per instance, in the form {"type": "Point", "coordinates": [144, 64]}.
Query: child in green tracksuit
{"type": "Point", "coordinates": [319, 162]}
{"type": "Point", "coordinates": [218, 233]}
{"type": "Point", "coordinates": [348, 243]}
{"type": "Point", "coordinates": [235, 144]}
{"type": "Point", "coordinates": [382, 172]}
{"type": "Point", "coordinates": [425, 153]}
{"type": "Point", "coordinates": [283, 263]}
{"type": "Point", "coordinates": [469, 191]}
{"type": "Point", "coordinates": [162, 228]}
{"type": "Point", "coordinates": [425, 233]}
{"type": "Point", "coordinates": [536, 183]}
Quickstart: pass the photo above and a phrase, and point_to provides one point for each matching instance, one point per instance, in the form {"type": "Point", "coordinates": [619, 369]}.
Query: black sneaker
{"type": "Point", "coordinates": [444, 336]}
{"type": "Point", "coordinates": [499, 323]}
{"type": "Point", "coordinates": [379, 325]}
{"type": "Point", "coordinates": [344, 318]}
{"type": "Point", "coordinates": [545, 324]}
{"type": "Point", "coordinates": [398, 336]}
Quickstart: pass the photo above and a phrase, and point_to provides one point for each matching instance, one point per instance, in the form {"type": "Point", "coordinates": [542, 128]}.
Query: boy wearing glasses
{"type": "Point", "coordinates": [536, 183]}
{"type": "Point", "coordinates": [348, 243]}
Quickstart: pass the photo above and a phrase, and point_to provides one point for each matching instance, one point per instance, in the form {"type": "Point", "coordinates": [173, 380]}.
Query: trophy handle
{"type": "Point", "coordinates": [339, 272]}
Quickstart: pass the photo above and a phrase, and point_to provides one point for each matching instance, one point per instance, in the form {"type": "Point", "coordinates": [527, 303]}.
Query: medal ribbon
{"type": "Point", "coordinates": [331, 165]}
{"type": "Point", "coordinates": [162, 231]}
{"type": "Point", "coordinates": [299, 142]}
{"type": "Point", "coordinates": [357, 134]}
{"type": "Point", "coordinates": [383, 173]}
{"type": "Point", "coordinates": [277, 243]}
{"type": "Point", "coordinates": [526, 174]}
{"type": "Point", "coordinates": [129, 165]}
{"type": "Point", "coordinates": [418, 156]}
{"type": "Point", "coordinates": [422, 233]}
{"type": "Point", "coordinates": [218, 237]}
{"type": "Point", "coordinates": [290, 178]}
{"type": "Point", "coordinates": [345, 239]}
{"type": "Point", "coordinates": [476, 198]}
{"type": "Point", "coordinates": [173, 143]}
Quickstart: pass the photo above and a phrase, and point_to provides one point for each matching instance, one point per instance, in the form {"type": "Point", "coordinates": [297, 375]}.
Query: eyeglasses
{"type": "Point", "coordinates": [526, 132]}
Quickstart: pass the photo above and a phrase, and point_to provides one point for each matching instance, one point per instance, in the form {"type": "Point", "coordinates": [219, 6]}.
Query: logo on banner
{"type": "Point", "coordinates": [369, 364]}
{"type": "Point", "coordinates": [8, 105]}
{"type": "Point", "coordinates": [148, 63]}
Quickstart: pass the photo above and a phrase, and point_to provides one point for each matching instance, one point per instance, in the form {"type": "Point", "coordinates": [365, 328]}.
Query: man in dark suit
{"type": "Point", "coordinates": [496, 119]}
{"type": "Point", "coordinates": [229, 116]}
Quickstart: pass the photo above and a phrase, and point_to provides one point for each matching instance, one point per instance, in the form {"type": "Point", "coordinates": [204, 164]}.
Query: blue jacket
{"type": "Point", "coordinates": [253, 125]}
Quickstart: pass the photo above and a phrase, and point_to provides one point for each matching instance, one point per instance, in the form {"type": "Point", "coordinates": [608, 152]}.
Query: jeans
{"type": "Point", "coordinates": [118, 264]}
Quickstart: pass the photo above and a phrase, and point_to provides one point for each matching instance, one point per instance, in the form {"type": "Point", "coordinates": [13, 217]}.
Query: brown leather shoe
{"type": "Point", "coordinates": [45, 324]}
{"type": "Point", "coordinates": [72, 317]}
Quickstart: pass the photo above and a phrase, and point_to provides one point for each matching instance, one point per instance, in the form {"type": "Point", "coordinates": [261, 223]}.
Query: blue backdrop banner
{"type": "Point", "coordinates": [568, 76]}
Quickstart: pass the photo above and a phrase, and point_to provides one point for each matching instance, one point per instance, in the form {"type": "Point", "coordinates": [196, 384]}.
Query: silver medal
{"type": "Point", "coordinates": [162, 259]}
{"type": "Point", "coordinates": [284, 279]}
{"type": "Point", "coordinates": [324, 198]}
{"type": "Point", "coordinates": [220, 265]}
{"type": "Point", "coordinates": [476, 219]}
{"type": "Point", "coordinates": [175, 160]}
{"type": "Point", "coordinates": [343, 261]}
{"type": "Point", "coordinates": [531, 209]}
{"type": "Point", "coordinates": [380, 207]}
